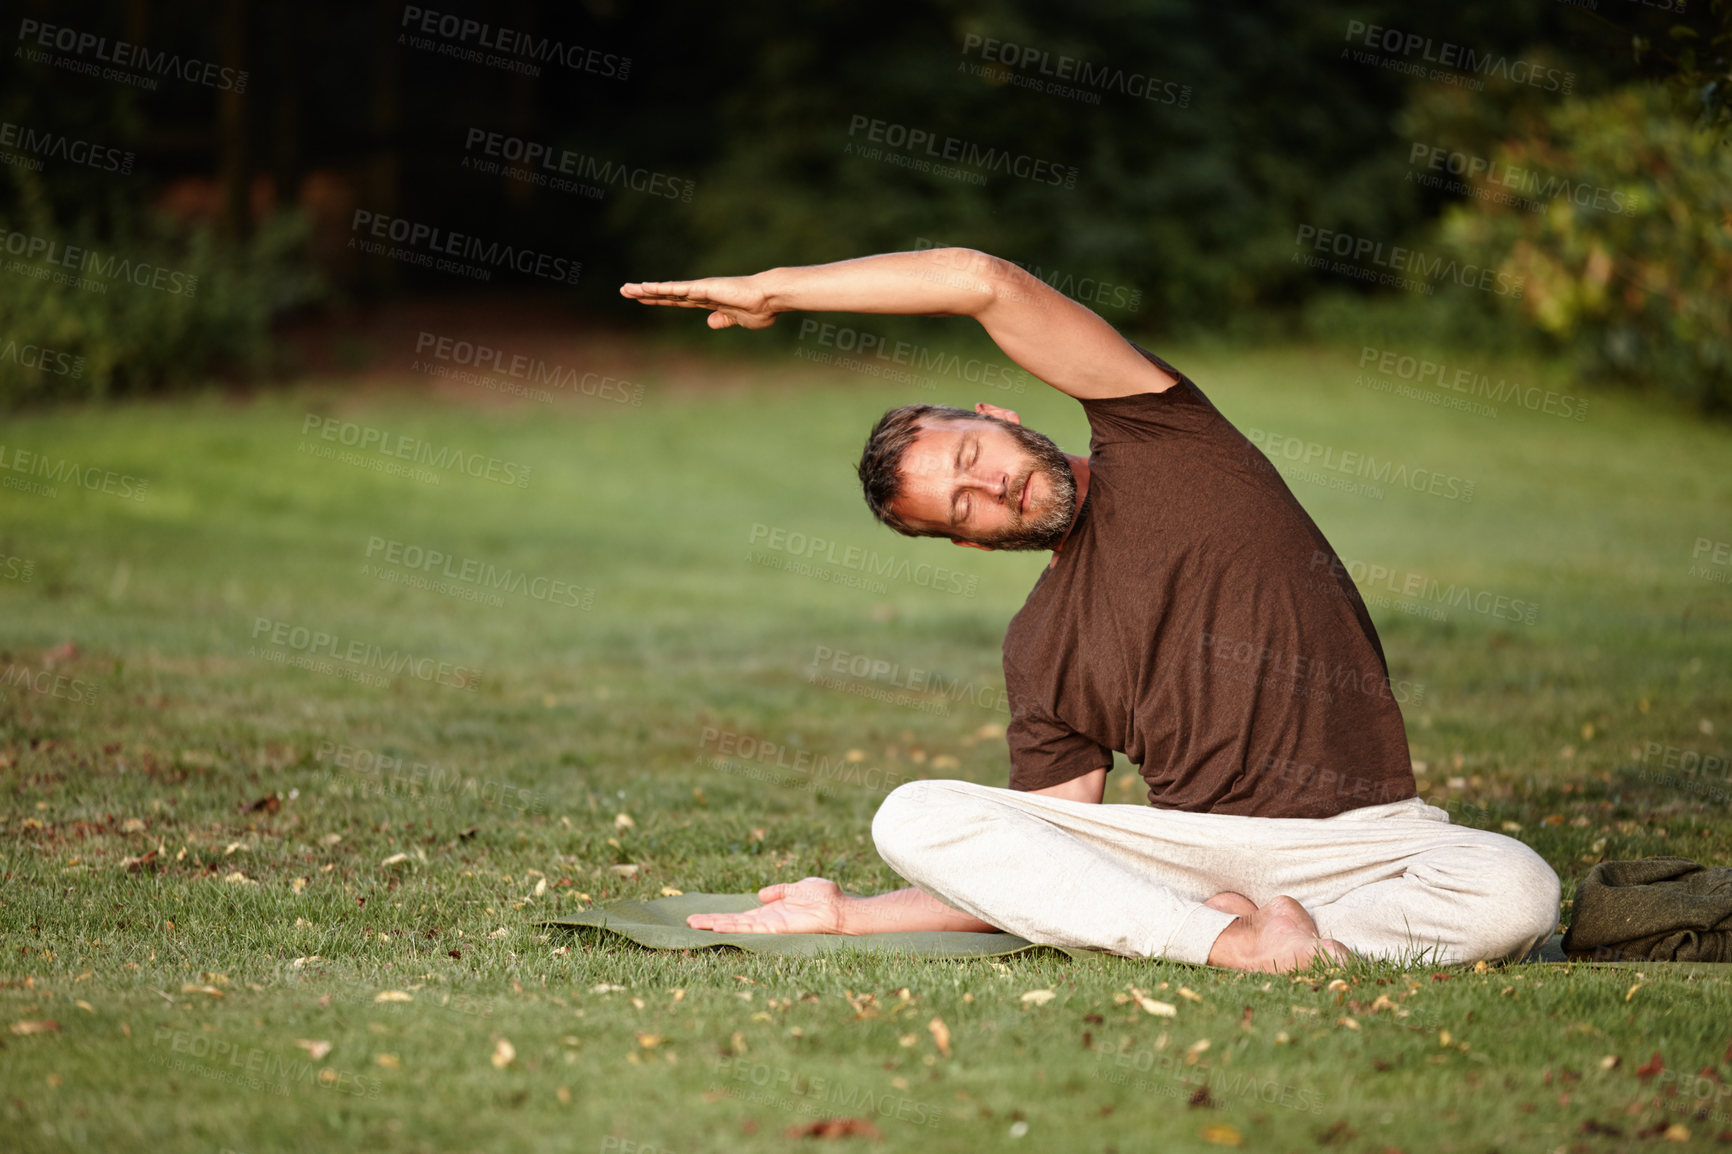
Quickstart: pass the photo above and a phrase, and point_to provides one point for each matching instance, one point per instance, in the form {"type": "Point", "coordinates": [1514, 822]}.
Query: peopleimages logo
{"type": "Point", "coordinates": [441, 249]}
{"type": "Point", "coordinates": [1352, 463]}
{"type": "Point", "coordinates": [361, 655]}
{"type": "Point", "coordinates": [1539, 187]}
{"type": "Point", "coordinates": [497, 46]}
{"type": "Point", "coordinates": [542, 163]}
{"type": "Point", "coordinates": [1440, 375]}
{"type": "Point", "coordinates": [483, 574]}
{"type": "Point", "coordinates": [1373, 577]}
{"type": "Point", "coordinates": [40, 143]}
{"type": "Point", "coordinates": [1078, 73]}
{"type": "Point", "coordinates": [406, 448]}
{"type": "Point", "coordinates": [123, 54]}
{"type": "Point", "coordinates": [1399, 48]}
{"type": "Point", "coordinates": [1356, 250]}
{"type": "Point", "coordinates": [927, 146]}
{"type": "Point", "coordinates": [51, 361]}
{"type": "Point", "coordinates": [814, 548]}
{"type": "Point", "coordinates": [91, 262]}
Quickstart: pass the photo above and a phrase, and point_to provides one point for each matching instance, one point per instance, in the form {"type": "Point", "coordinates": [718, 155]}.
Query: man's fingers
{"type": "Point", "coordinates": [725, 924]}
{"type": "Point", "coordinates": [665, 293]}
{"type": "Point", "coordinates": [666, 288]}
{"type": "Point", "coordinates": [773, 893]}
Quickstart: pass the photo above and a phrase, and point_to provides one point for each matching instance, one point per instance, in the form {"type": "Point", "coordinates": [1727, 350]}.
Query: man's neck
{"type": "Point", "coordinates": [1079, 467]}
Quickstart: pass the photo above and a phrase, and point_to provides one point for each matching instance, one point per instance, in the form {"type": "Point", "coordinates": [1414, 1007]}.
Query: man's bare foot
{"type": "Point", "coordinates": [1281, 936]}
{"type": "Point", "coordinates": [1232, 903]}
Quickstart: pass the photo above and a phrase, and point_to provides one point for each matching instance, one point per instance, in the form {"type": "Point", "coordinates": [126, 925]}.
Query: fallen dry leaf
{"type": "Point", "coordinates": [629, 870]}
{"type": "Point", "coordinates": [940, 1035]}
{"type": "Point", "coordinates": [395, 859]}
{"type": "Point", "coordinates": [503, 1053]}
{"type": "Point", "coordinates": [315, 1050]}
{"type": "Point", "coordinates": [388, 1061]}
{"type": "Point", "coordinates": [623, 821]}
{"type": "Point", "coordinates": [1158, 1008]}
{"type": "Point", "coordinates": [835, 1128]}
{"type": "Point", "coordinates": [393, 996]}
{"type": "Point", "coordinates": [1038, 997]}
{"type": "Point", "coordinates": [1221, 1134]}
{"type": "Point", "coordinates": [39, 1026]}
{"type": "Point", "coordinates": [671, 892]}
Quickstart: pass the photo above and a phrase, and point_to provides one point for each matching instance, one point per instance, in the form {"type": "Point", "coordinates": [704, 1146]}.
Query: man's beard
{"type": "Point", "coordinates": [1044, 530]}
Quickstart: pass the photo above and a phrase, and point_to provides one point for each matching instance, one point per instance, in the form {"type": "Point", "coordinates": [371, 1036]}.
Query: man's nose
{"type": "Point", "coordinates": [993, 486]}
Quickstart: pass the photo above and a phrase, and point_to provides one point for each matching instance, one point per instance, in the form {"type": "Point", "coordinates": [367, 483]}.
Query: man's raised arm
{"type": "Point", "coordinates": [1056, 339]}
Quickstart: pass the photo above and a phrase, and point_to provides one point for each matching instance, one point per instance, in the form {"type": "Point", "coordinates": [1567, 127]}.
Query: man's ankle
{"type": "Point", "coordinates": [1231, 944]}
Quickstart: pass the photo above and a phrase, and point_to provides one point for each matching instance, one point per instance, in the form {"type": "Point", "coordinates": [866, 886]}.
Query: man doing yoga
{"type": "Point", "coordinates": [1193, 617]}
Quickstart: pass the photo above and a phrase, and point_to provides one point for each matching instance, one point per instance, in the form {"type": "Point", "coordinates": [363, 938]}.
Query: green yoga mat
{"type": "Point", "coordinates": [661, 925]}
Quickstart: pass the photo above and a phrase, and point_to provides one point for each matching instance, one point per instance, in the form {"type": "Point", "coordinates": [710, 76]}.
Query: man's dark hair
{"type": "Point", "coordinates": [880, 466]}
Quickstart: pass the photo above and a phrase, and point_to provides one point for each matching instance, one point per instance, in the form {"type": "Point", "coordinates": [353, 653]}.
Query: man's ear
{"type": "Point", "coordinates": [987, 410]}
{"type": "Point", "coordinates": [972, 545]}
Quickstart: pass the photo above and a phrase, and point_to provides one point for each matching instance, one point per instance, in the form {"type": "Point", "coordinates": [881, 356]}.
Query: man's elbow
{"type": "Point", "coordinates": [978, 278]}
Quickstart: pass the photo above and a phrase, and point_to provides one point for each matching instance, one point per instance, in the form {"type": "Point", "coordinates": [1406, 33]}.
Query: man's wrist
{"type": "Point", "coordinates": [847, 917]}
{"type": "Point", "coordinates": [774, 284]}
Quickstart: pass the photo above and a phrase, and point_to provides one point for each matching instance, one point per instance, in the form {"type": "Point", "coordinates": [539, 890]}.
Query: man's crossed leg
{"type": "Point", "coordinates": [1393, 881]}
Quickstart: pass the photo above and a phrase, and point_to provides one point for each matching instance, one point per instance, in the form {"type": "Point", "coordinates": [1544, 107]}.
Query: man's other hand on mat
{"type": "Point", "coordinates": [808, 906]}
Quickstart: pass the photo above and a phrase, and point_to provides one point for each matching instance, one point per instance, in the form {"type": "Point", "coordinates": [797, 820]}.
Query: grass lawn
{"type": "Point", "coordinates": [273, 896]}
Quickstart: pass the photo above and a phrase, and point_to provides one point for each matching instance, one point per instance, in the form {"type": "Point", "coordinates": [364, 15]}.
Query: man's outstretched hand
{"type": "Point", "coordinates": [733, 300]}
{"type": "Point", "coordinates": [808, 906]}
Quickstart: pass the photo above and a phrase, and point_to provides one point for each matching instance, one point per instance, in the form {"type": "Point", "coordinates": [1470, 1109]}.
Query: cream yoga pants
{"type": "Point", "coordinates": [1394, 881]}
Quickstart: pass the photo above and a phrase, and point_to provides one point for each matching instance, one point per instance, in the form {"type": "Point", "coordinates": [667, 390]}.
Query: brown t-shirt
{"type": "Point", "coordinates": [1198, 621]}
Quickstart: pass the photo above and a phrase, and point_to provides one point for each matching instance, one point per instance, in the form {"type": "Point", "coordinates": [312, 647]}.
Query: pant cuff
{"type": "Point", "coordinates": [1196, 934]}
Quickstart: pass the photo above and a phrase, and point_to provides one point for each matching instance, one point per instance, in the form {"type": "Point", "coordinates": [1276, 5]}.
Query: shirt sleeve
{"type": "Point", "coordinates": [1182, 410]}
{"type": "Point", "coordinates": [1045, 751]}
